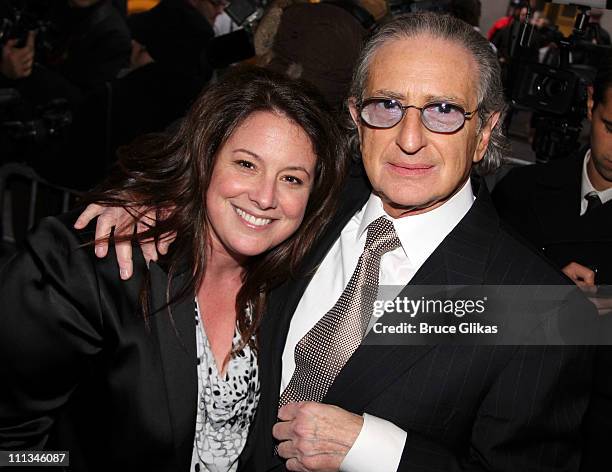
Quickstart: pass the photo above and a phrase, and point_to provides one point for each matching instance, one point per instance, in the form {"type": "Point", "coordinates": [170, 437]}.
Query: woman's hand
{"type": "Point", "coordinates": [125, 223]}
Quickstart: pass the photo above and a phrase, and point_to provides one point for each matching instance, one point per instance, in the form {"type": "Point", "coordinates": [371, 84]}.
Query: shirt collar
{"type": "Point", "coordinates": [587, 187]}
{"type": "Point", "coordinates": [421, 234]}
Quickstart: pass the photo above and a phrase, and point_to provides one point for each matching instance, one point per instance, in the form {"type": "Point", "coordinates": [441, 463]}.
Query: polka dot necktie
{"type": "Point", "coordinates": [593, 201]}
{"type": "Point", "coordinates": [323, 351]}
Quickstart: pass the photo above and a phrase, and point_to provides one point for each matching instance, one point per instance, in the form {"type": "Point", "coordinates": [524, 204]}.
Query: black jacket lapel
{"type": "Point", "coordinates": [177, 340]}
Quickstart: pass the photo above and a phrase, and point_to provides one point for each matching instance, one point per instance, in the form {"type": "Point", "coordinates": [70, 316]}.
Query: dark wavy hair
{"type": "Point", "coordinates": [174, 171]}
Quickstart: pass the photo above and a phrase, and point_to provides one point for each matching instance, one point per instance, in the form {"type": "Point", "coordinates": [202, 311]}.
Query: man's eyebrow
{"type": "Point", "coordinates": [389, 94]}
{"type": "Point", "coordinates": [608, 123]}
{"type": "Point", "coordinates": [428, 98]}
{"type": "Point", "coordinates": [446, 98]}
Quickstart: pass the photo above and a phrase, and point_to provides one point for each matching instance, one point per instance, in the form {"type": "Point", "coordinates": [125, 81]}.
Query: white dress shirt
{"type": "Point", "coordinates": [587, 187]}
{"type": "Point", "coordinates": [380, 443]}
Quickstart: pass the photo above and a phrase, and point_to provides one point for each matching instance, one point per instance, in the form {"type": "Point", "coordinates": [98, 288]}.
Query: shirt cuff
{"type": "Point", "coordinates": [379, 447]}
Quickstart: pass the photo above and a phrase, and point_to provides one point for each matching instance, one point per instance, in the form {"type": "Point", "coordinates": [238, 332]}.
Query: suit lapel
{"type": "Point", "coordinates": [177, 342]}
{"type": "Point", "coordinates": [459, 260]}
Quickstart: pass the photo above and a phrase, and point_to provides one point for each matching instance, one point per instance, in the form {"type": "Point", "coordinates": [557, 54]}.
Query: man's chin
{"type": "Point", "coordinates": [399, 208]}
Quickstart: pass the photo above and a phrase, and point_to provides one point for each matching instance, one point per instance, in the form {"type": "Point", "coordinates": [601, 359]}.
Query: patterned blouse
{"type": "Point", "coordinates": [226, 406]}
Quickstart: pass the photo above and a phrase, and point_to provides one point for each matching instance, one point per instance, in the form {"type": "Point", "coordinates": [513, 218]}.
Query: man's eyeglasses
{"type": "Point", "coordinates": [439, 117]}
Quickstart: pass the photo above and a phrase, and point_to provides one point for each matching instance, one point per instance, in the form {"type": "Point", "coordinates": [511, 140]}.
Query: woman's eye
{"type": "Point", "coordinates": [245, 164]}
{"type": "Point", "coordinates": [292, 180]}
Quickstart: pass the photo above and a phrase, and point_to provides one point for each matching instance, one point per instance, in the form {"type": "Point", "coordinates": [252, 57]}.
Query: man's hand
{"type": "Point", "coordinates": [585, 279]}
{"type": "Point", "coordinates": [581, 276]}
{"type": "Point", "coordinates": [140, 56]}
{"type": "Point", "coordinates": [315, 436]}
{"type": "Point", "coordinates": [17, 62]}
{"type": "Point", "coordinates": [124, 223]}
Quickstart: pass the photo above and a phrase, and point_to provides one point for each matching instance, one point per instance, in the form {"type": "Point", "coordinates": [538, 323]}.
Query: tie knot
{"type": "Point", "coordinates": [593, 201]}
{"type": "Point", "coordinates": [381, 236]}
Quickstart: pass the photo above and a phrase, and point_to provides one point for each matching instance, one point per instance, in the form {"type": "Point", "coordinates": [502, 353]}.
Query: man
{"type": "Point", "coordinates": [94, 43]}
{"type": "Point", "coordinates": [320, 43]}
{"type": "Point", "coordinates": [17, 61]}
{"type": "Point", "coordinates": [595, 32]}
{"type": "Point", "coordinates": [426, 103]}
{"type": "Point", "coordinates": [169, 67]}
{"type": "Point", "coordinates": [515, 10]}
{"type": "Point", "coordinates": [176, 33]}
{"type": "Point", "coordinates": [565, 206]}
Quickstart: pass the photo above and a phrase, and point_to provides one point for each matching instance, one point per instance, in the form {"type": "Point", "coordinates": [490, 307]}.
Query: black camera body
{"type": "Point", "coordinates": [27, 131]}
{"type": "Point", "coordinates": [18, 21]}
{"type": "Point", "coordinates": [557, 94]}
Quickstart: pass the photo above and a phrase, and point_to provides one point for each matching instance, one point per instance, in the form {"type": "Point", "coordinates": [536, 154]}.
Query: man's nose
{"type": "Point", "coordinates": [411, 132]}
{"type": "Point", "coordinates": [263, 193]}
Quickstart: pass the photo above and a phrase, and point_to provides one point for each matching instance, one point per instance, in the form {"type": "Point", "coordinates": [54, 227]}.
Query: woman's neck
{"type": "Point", "coordinates": [217, 299]}
{"type": "Point", "coordinates": [223, 266]}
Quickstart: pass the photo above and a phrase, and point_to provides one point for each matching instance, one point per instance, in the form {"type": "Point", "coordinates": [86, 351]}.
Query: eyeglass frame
{"type": "Point", "coordinates": [467, 115]}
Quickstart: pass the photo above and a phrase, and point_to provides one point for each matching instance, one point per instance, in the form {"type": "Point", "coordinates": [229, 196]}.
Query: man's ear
{"type": "Point", "coordinates": [485, 136]}
{"type": "Point", "coordinates": [590, 102]}
{"type": "Point", "coordinates": [352, 106]}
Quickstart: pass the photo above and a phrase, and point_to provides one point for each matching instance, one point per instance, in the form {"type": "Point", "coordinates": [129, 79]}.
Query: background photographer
{"type": "Point", "coordinates": [565, 206]}
{"type": "Point", "coordinates": [17, 62]}
{"type": "Point", "coordinates": [92, 44]}
{"type": "Point", "coordinates": [55, 55]}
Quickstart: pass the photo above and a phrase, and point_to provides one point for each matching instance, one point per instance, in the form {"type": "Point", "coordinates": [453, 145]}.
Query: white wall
{"type": "Point", "coordinates": [606, 21]}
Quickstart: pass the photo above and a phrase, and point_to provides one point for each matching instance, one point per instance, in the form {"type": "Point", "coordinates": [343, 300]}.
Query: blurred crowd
{"type": "Point", "coordinates": [79, 78]}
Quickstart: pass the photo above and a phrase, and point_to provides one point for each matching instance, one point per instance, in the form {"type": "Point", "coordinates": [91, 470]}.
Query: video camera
{"type": "Point", "coordinates": [20, 131]}
{"type": "Point", "coordinates": [557, 94]}
{"type": "Point", "coordinates": [19, 18]}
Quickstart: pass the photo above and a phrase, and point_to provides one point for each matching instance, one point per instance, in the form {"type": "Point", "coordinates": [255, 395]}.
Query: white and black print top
{"type": "Point", "coordinates": [226, 406]}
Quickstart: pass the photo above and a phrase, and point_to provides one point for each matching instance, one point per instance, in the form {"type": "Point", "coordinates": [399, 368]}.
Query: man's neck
{"type": "Point", "coordinates": [597, 181]}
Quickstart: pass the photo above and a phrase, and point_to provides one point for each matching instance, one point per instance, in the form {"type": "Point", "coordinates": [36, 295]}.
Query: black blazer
{"type": "Point", "coordinates": [542, 203]}
{"type": "Point", "coordinates": [80, 369]}
{"type": "Point", "coordinates": [504, 408]}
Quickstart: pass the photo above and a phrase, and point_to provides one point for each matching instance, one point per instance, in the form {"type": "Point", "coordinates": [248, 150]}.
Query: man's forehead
{"type": "Point", "coordinates": [422, 68]}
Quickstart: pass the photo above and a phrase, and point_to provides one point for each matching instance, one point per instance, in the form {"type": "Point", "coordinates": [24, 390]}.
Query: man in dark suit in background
{"type": "Point", "coordinates": [565, 207]}
{"type": "Point", "coordinates": [427, 102]}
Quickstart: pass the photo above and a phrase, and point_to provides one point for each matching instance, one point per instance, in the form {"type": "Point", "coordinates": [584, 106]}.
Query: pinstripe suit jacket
{"type": "Point", "coordinates": [464, 407]}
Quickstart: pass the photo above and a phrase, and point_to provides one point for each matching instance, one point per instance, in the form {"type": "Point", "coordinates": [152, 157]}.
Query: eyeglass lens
{"type": "Point", "coordinates": [437, 117]}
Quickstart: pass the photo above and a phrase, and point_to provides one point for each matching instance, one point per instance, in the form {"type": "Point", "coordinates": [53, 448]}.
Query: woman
{"type": "Point", "coordinates": [160, 372]}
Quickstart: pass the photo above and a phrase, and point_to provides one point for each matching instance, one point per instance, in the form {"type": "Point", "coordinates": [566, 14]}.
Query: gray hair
{"type": "Point", "coordinates": [490, 89]}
